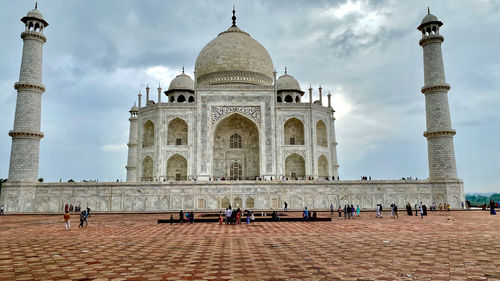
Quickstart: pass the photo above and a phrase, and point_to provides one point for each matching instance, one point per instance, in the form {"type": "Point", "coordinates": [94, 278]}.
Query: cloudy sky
{"type": "Point", "coordinates": [99, 54]}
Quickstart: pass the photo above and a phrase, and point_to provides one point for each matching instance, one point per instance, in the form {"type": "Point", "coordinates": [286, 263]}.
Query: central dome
{"type": "Point", "coordinates": [234, 57]}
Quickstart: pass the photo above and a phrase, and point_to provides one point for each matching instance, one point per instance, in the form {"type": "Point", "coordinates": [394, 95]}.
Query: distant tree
{"type": "Point", "coordinates": [40, 179]}
{"type": "Point", "coordinates": [495, 197]}
{"type": "Point", "coordinates": [71, 180]}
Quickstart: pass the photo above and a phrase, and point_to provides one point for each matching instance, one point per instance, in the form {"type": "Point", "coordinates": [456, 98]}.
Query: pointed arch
{"type": "Point", "coordinates": [321, 134]}
{"type": "Point", "coordinates": [177, 132]}
{"type": "Point", "coordinates": [322, 166]}
{"type": "Point", "coordinates": [293, 132]}
{"type": "Point", "coordinates": [224, 202]}
{"type": "Point", "coordinates": [177, 168]}
{"type": "Point", "coordinates": [147, 169]}
{"type": "Point", "coordinates": [249, 203]}
{"type": "Point", "coordinates": [295, 166]}
{"type": "Point", "coordinates": [148, 134]}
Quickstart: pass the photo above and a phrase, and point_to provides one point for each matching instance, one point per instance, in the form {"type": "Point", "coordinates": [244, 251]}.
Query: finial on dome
{"type": "Point", "coordinates": [285, 70]}
{"type": "Point", "coordinates": [36, 5]}
{"type": "Point", "coordinates": [234, 17]}
{"type": "Point", "coordinates": [428, 10]}
{"type": "Point", "coordinates": [183, 70]}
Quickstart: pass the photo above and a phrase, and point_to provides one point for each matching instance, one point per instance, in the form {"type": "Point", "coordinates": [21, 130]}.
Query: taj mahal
{"type": "Point", "coordinates": [233, 132]}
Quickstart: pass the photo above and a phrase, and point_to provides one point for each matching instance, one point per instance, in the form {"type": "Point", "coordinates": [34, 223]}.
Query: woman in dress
{"type": "Point", "coordinates": [357, 210]}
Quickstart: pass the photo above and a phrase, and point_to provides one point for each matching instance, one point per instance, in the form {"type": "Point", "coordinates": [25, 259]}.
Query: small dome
{"type": "Point", "coordinates": [134, 108]}
{"type": "Point", "coordinates": [181, 82]}
{"type": "Point", "coordinates": [36, 15]}
{"type": "Point", "coordinates": [287, 83]}
{"type": "Point", "coordinates": [429, 18]}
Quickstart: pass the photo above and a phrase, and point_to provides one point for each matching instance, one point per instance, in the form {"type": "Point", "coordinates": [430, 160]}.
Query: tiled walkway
{"type": "Point", "coordinates": [446, 246]}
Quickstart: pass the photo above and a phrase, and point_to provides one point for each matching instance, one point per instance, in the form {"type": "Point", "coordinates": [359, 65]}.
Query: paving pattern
{"type": "Point", "coordinates": [443, 246]}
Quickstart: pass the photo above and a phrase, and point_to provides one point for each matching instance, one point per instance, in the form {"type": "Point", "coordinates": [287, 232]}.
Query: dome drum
{"type": "Point", "coordinates": [235, 76]}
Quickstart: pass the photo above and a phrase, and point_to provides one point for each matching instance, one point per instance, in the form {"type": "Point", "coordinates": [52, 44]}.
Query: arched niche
{"type": "Point", "coordinates": [295, 166]}
{"type": "Point", "coordinates": [177, 132]}
{"type": "Point", "coordinates": [148, 134]}
{"type": "Point", "coordinates": [293, 132]}
{"type": "Point", "coordinates": [321, 134]}
{"type": "Point", "coordinates": [322, 166]}
{"type": "Point", "coordinates": [177, 168]}
{"type": "Point", "coordinates": [147, 169]}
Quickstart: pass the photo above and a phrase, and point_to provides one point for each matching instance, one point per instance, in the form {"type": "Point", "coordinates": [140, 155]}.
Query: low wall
{"type": "Point", "coordinates": [156, 196]}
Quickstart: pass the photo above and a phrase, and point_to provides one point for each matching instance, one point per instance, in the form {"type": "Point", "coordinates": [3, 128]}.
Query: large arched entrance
{"type": "Point", "coordinates": [236, 148]}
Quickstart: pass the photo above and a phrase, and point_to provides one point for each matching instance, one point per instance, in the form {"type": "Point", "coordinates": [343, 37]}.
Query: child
{"type": "Point", "coordinates": [220, 217]}
{"type": "Point", "coordinates": [171, 219]}
{"type": "Point", "coordinates": [67, 225]}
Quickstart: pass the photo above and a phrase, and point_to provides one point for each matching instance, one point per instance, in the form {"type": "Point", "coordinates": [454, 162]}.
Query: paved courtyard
{"type": "Point", "coordinates": [444, 246]}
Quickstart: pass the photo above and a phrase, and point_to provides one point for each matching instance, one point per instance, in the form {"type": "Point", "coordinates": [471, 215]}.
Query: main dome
{"type": "Point", "coordinates": [234, 57]}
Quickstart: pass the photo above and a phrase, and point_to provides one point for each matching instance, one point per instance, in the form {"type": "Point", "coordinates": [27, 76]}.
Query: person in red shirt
{"type": "Point", "coordinates": [67, 224]}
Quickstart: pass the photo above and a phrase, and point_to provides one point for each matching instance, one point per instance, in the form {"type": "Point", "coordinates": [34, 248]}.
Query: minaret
{"type": "Point", "coordinates": [26, 134]}
{"type": "Point", "coordinates": [439, 133]}
{"type": "Point", "coordinates": [132, 145]}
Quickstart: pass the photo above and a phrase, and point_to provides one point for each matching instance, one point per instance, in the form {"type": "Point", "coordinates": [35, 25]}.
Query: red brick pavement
{"type": "Point", "coordinates": [445, 246]}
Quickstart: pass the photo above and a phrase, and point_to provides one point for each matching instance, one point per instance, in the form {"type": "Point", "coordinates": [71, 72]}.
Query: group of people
{"type": "Point", "coordinates": [83, 219]}
{"type": "Point", "coordinates": [233, 216]}
{"type": "Point", "coordinates": [72, 208]}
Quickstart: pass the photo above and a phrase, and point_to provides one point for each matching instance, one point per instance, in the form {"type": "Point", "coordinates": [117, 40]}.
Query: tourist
{"type": "Point", "coordinates": [345, 212]}
{"type": "Point", "coordinates": [440, 207]}
{"type": "Point", "coordinates": [67, 224]}
{"type": "Point", "coordinates": [463, 205]}
{"type": "Point", "coordinates": [425, 209]}
{"type": "Point", "coordinates": [191, 217]}
{"type": "Point", "coordinates": [247, 212]}
{"type": "Point", "coordinates": [421, 211]}
{"type": "Point", "coordinates": [353, 211]}
{"type": "Point", "coordinates": [71, 207]}
{"type": "Point", "coordinates": [220, 218]}
{"type": "Point", "coordinates": [66, 208]}
{"type": "Point", "coordinates": [448, 208]}
{"type": "Point", "coordinates": [358, 210]}
{"type": "Point", "coordinates": [492, 208]}
{"type": "Point", "coordinates": [181, 216]}
{"type": "Point", "coordinates": [331, 209]}
{"type": "Point", "coordinates": [86, 214]}
{"type": "Point", "coordinates": [286, 207]}
{"type": "Point", "coordinates": [408, 209]}
{"type": "Point", "coordinates": [392, 210]}
{"type": "Point", "coordinates": [305, 214]}
{"type": "Point", "coordinates": [238, 216]}
{"type": "Point", "coordinates": [82, 218]}
{"type": "Point", "coordinates": [378, 215]}
{"type": "Point", "coordinates": [228, 215]}
{"type": "Point", "coordinates": [314, 216]}
{"type": "Point", "coordinates": [395, 211]}
{"type": "Point", "coordinates": [171, 219]}
{"type": "Point", "coordinates": [348, 211]}
{"type": "Point", "coordinates": [252, 216]}
{"type": "Point", "coordinates": [416, 211]}
{"type": "Point", "coordinates": [187, 217]}
{"type": "Point", "coordinates": [1, 210]}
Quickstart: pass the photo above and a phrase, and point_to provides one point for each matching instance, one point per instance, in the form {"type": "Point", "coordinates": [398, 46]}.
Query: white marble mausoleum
{"type": "Point", "coordinates": [234, 133]}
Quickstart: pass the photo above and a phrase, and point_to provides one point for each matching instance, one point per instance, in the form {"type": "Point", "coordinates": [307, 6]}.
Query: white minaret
{"type": "Point", "coordinates": [132, 145]}
{"type": "Point", "coordinates": [439, 133]}
{"type": "Point", "coordinates": [26, 134]}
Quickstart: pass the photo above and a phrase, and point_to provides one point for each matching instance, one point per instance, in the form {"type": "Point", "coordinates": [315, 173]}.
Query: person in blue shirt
{"type": "Point", "coordinates": [306, 214]}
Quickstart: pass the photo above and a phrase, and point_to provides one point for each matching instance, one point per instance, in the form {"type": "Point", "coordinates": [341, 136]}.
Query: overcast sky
{"type": "Point", "coordinates": [99, 54]}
